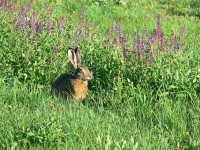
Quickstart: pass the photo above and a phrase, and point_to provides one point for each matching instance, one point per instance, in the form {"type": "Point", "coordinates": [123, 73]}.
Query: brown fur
{"type": "Point", "coordinates": [74, 85]}
{"type": "Point", "coordinates": [80, 89]}
{"type": "Point", "coordinates": [69, 87]}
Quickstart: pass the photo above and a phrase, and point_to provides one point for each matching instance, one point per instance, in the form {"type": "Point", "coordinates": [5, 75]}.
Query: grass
{"type": "Point", "coordinates": [131, 104]}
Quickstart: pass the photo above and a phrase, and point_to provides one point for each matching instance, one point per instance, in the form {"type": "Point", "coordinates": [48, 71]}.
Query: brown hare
{"type": "Point", "coordinates": [73, 85]}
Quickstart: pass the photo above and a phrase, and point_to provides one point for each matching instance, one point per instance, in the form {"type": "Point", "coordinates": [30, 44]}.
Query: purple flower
{"type": "Point", "coordinates": [39, 26]}
{"type": "Point", "coordinates": [158, 28]}
{"type": "Point", "coordinates": [49, 27]}
{"type": "Point", "coordinates": [21, 23]}
{"type": "Point", "coordinates": [161, 41]}
{"type": "Point", "coordinates": [22, 11]}
{"type": "Point", "coordinates": [60, 23]}
{"type": "Point", "coordinates": [3, 3]}
{"type": "Point", "coordinates": [159, 34]}
{"type": "Point", "coordinates": [152, 39]}
{"type": "Point", "coordinates": [139, 44]}
{"type": "Point", "coordinates": [32, 23]}
{"type": "Point", "coordinates": [35, 24]}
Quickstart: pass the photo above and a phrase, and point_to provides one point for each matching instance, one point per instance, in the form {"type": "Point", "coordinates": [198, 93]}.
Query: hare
{"type": "Point", "coordinates": [73, 85]}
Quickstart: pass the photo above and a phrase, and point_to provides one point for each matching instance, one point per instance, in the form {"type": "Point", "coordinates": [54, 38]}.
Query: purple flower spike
{"type": "Point", "coordinates": [141, 44]}
{"type": "Point", "coordinates": [137, 43]}
{"type": "Point", "coordinates": [2, 3]}
{"type": "Point", "coordinates": [22, 11]}
{"type": "Point", "coordinates": [32, 23]}
{"type": "Point", "coordinates": [159, 34]}
{"type": "Point", "coordinates": [39, 26]}
{"type": "Point", "coordinates": [158, 28]}
{"type": "Point", "coordinates": [21, 23]}
{"type": "Point", "coordinates": [60, 23]}
{"type": "Point", "coordinates": [152, 39]}
{"type": "Point", "coordinates": [136, 46]}
{"type": "Point", "coordinates": [161, 41]}
{"type": "Point", "coordinates": [49, 27]}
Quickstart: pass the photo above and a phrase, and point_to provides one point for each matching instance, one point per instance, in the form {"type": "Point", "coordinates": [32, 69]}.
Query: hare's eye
{"type": "Point", "coordinates": [81, 71]}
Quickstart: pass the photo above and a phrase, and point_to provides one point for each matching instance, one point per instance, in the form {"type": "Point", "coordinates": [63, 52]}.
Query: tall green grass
{"type": "Point", "coordinates": [131, 105]}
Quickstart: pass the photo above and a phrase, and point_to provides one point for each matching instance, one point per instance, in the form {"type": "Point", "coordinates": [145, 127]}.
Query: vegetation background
{"type": "Point", "coordinates": [131, 104]}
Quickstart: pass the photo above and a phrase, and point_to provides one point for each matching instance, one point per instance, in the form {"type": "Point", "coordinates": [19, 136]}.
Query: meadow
{"type": "Point", "coordinates": [144, 56]}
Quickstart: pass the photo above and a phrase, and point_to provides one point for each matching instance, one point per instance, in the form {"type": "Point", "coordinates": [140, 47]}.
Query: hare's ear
{"type": "Point", "coordinates": [78, 56]}
{"type": "Point", "coordinates": [72, 58]}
